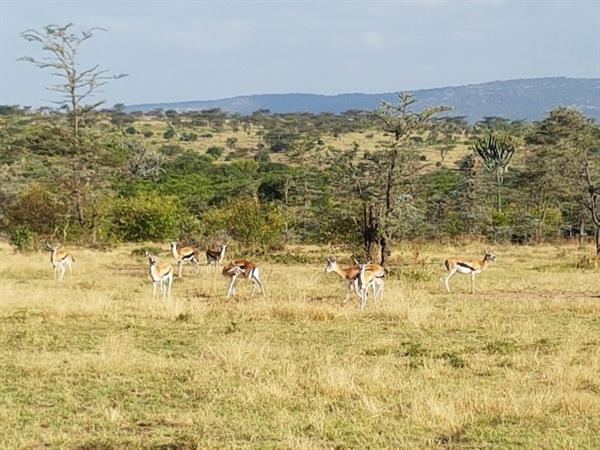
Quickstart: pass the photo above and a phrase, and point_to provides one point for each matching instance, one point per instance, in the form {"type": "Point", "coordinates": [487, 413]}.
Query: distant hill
{"type": "Point", "coordinates": [522, 99]}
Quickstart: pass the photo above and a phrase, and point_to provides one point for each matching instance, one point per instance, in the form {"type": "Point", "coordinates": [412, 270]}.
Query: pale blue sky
{"type": "Point", "coordinates": [207, 50]}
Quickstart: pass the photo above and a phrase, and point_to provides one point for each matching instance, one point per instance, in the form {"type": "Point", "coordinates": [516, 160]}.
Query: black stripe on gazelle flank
{"type": "Point", "coordinates": [467, 266]}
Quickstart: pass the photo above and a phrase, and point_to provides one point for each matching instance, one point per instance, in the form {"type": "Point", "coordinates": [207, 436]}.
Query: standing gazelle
{"type": "Point", "coordinates": [466, 266]}
{"type": "Point", "coordinates": [160, 274]}
{"type": "Point", "coordinates": [59, 259]}
{"type": "Point", "coordinates": [350, 274]}
{"type": "Point", "coordinates": [184, 254]}
{"type": "Point", "coordinates": [215, 256]}
{"type": "Point", "coordinates": [365, 278]}
{"type": "Point", "coordinates": [242, 269]}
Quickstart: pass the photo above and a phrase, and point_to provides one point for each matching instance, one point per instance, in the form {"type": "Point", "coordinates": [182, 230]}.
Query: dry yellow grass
{"type": "Point", "coordinates": [93, 362]}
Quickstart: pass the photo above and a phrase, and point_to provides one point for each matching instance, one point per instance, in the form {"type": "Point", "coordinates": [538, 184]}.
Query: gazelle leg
{"type": "Point", "coordinates": [363, 299]}
{"type": "Point", "coordinates": [447, 279]}
{"type": "Point", "coordinates": [350, 284]}
{"type": "Point", "coordinates": [231, 289]}
{"type": "Point", "coordinates": [62, 270]}
{"type": "Point", "coordinates": [255, 277]}
{"type": "Point", "coordinates": [472, 282]}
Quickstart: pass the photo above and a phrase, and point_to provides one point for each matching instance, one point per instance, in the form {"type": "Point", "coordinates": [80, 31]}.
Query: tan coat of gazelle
{"type": "Point", "coordinates": [161, 275]}
{"type": "Point", "coordinates": [59, 259]}
{"type": "Point", "coordinates": [183, 255]}
{"type": "Point", "coordinates": [350, 274]}
{"type": "Point", "coordinates": [214, 256]}
{"type": "Point", "coordinates": [467, 266]}
{"type": "Point", "coordinates": [242, 269]}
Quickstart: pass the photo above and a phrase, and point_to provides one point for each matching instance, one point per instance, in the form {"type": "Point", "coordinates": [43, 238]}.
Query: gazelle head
{"type": "Point", "coordinates": [489, 256]}
{"type": "Point", "coordinates": [173, 244]}
{"type": "Point", "coordinates": [331, 263]}
{"type": "Point", "coordinates": [235, 270]}
{"type": "Point", "coordinates": [361, 267]}
{"type": "Point", "coordinates": [52, 247]}
{"type": "Point", "coordinates": [152, 259]}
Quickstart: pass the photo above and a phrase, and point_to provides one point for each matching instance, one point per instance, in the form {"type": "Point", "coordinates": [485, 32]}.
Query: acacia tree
{"type": "Point", "coordinates": [383, 181]}
{"type": "Point", "coordinates": [564, 159]}
{"type": "Point", "coordinates": [79, 161]}
{"type": "Point", "coordinates": [77, 84]}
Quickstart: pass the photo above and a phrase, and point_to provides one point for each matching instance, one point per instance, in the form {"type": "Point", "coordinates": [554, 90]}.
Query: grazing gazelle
{"type": "Point", "coordinates": [242, 269]}
{"type": "Point", "coordinates": [59, 259]}
{"type": "Point", "coordinates": [161, 274]}
{"type": "Point", "coordinates": [215, 256]}
{"type": "Point", "coordinates": [466, 266]}
{"type": "Point", "coordinates": [184, 254]}
{"type": "Point", "coordinates": [350, 274]}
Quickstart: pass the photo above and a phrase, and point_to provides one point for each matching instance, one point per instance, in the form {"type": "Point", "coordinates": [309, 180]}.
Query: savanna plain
{"type": "Point", "coordinates": [94, 362]}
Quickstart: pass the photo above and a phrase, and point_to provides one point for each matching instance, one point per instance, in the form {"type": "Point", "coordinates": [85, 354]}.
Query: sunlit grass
{"type": "Point", "coordinates": [95, 362]}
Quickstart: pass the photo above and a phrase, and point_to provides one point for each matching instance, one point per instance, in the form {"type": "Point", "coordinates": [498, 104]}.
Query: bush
{"type": "Point", "coordinates": [22, 238]}
{"type": "Point", "coordinates": [145, 217]}
{"type": "Point", "coordinates": [215, 152]}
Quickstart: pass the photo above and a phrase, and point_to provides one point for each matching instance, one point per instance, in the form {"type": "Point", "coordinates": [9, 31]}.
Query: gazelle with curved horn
{"type": "Point", "coordinates": [59, 259]}
{"type": "Point", "coordinates": [242, 269]}
{"type": "Point", "coordinates": [162, 275]}
{"type": "Point", "coordinates": [467, 266]}
{"type": "Point", "coordinates": [350, 274]}
{"type": "Point", "coordinates": [214, 256]}
{"type": "Point", "coordinates": [184, 254]}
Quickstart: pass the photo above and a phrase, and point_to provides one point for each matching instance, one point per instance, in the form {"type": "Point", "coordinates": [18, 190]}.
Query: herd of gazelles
{"type": "Point", "coordinates": [359, 278]}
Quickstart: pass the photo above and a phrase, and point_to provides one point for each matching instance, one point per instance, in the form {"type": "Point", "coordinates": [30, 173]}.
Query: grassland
{"type": "Point", "coordinates": [93, 362]}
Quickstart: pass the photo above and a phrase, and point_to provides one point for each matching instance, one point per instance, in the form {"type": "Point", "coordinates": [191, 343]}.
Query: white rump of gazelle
{"type": "Point", "coordinates": [467, 266]}
{"type": "Point", "coordinates": [183, 255]}
{"type": "Point", "coordinates": [60, 258]}
{"type": "Point", "coordinates": [242, 269]}
{"type": "Point", "coordinates": [162, 275]}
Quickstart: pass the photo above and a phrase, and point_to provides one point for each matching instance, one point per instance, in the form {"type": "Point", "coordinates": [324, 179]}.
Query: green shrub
{"type": "Point", "coordinates": [145, 217]}
{"type": "Point", "coordinates": [215, 152]}
{"type": "Point", "coordinates": [22, 238]}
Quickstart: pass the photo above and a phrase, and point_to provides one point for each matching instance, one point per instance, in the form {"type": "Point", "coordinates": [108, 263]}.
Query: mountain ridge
{"type": "Point", "coordinates": [528, 99]}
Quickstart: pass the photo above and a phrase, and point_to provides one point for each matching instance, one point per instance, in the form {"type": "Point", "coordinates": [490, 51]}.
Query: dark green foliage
{"type": "Point", "coordinates": [145, 217]}
{"type": "Point", "coordinates": [101, 186]}
{"type": "Point", "coordinates": [169, 134]}
{"type": "Point", "coordinates": [22, 238]}
{"type": "Point", "coordinates": [215, 152]}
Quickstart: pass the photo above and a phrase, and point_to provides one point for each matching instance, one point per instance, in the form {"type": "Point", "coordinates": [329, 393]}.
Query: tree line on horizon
{"type": "Point", "coordinates": [81, 174]}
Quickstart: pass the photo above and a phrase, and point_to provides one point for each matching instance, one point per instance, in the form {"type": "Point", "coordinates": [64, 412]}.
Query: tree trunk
{"type": "Point", "coordinates": [371, 233]}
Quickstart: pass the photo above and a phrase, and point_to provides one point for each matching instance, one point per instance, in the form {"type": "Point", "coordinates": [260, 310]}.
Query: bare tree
{"type": "Point", "coordinates": [593, 201]}
{"type": "Point", "coordinates": [77, 84]}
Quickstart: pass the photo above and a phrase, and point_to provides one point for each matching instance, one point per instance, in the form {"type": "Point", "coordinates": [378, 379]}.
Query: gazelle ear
{"type": "Point", "coordinates": [356, 262]}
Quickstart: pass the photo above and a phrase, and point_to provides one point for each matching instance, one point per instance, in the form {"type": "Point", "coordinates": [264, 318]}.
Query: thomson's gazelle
{"type": "Point", "coordinates": [350, 274]}
{"type": "Point", "coordinates": [215, 256]}
{"type": "Point", "coordinates": [366, 278]}
{"type": "Point", "coordinates": [466, 266]}
{"type": "Point", "coordinates": [161, 274]}
{"type": "Point", "coordinates": [59, 259]}
{"type": "Point", "coordinates": [184, 254]}
{"type": "Point", "coordinates": [242, 269]}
